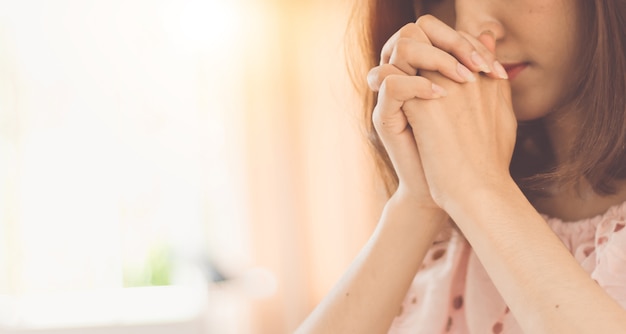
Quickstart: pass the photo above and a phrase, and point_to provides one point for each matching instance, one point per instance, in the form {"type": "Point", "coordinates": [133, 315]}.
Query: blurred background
{"type": "Point", "coordinates": [177, 166]}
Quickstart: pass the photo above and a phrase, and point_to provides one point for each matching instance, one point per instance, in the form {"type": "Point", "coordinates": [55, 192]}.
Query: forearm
{"type": "Point", "coordinates": [545, 288]}
{"type": "Point", "coordinates": [369, 295]}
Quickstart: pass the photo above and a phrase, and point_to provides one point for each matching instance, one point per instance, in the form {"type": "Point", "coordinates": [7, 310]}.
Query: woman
{"type": "Point", "coordinates": [510, 127]}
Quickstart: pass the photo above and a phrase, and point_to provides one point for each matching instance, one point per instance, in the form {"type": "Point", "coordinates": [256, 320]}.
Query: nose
{"type": "Point", "coordinates": [477, 16]}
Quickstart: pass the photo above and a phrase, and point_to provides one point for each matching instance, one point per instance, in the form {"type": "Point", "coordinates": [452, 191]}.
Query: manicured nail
{"type": "Point", "coordinates": [500, 71]}
{"type": "Point", "coordinates": [439, 91]}
{"type": "Point", "coordinates": [480, 62]}
{"type": "Point", "coordinates": [465, 73]}
{"type": "Point", "coordinates": [490, 33]}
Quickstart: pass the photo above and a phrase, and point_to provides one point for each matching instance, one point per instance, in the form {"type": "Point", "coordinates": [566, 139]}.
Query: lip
{"type": "Point", "coordinates": [514, 69]}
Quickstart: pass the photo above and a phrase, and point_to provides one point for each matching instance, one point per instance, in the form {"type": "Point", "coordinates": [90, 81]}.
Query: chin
{"type": "Point", "coordinates": [525, 115]}
{"type": "Point", "coordinates": [525, 110]}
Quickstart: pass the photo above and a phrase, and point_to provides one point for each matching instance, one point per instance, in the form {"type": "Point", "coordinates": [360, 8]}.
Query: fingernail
{"type": "Point", "coordinates": [488, 32]}
{"type": "Point", "coordinates": [480, 62]}
{"type": "Point", "coordinates": [500, 71]}
{"type": "Point", "coordinates": [465, 73]}
{"type": "Point", "coordinates": [439, 91]}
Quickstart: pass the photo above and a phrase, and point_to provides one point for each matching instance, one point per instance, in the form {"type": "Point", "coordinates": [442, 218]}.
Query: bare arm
{"type": "Point", "coordinates": [466, 142]}
{"type": "Point", "coordinates": [369, 295]}
{"type": "Point", "coordinates": [544, 286]}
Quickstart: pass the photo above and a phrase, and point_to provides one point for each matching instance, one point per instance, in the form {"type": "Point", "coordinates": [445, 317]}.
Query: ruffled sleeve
{"type": "Point", "coordinates": [610, 259]}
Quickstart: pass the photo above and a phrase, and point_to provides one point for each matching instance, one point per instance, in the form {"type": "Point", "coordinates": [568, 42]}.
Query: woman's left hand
{"type": "Point", "coordinates": [465, 139]}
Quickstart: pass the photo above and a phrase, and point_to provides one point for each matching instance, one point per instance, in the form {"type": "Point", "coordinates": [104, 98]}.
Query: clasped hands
{"type": "Point", "coordinates": [444, 112]}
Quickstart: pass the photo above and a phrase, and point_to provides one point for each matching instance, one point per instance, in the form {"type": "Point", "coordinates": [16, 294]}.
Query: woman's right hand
{"type": "Point", "coordinates": [431, 45]}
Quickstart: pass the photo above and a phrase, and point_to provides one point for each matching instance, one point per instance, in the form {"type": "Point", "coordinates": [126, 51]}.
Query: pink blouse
{"type": "Point", "coordinates": [453, 294]}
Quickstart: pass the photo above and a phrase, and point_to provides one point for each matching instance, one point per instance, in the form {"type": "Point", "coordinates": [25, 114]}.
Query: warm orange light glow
{"type": "Point", "coordinates": [221, 130]}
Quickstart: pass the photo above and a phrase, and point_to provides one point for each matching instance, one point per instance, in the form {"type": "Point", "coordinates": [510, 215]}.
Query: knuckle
{"type": "Point", "coordinates": [425, 19]}
{"type": "Point", "coordinates": [402, 49]}
{"type": "Point", "coordinates": [390, 86]}
{"type": "Point", "coordinates": [373, 78]}
{"type": "Point", "coordinates": [408, 30]}
{"type": "Point", "coordinates": [377, 75]}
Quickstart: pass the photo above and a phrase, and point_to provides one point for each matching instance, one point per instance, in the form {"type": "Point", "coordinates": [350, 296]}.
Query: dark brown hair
{"type": "Point", "coordinates": [599, 96]}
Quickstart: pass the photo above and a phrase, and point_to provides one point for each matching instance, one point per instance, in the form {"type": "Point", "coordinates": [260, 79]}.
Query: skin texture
{"type": "Point", "coordinates": [450, 134]}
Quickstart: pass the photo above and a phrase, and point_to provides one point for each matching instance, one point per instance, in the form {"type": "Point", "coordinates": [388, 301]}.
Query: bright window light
{"type": "Point", "coordinates": [116, 164]}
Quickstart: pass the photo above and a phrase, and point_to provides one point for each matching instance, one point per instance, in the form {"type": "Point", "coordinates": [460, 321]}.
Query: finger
{"type": "Point", "coordinates": [410, 56]}
{"type": "Point", "coordinates": [410, 30]}
{"type": "Point", "coordinates": [393, 128]}
{"type": "Point", "coordinates": [395, 90]}
{"type": "Point", "coordinates": [391, 124]}
{"type": "Point", "coordinates": [377, 75]}
{"type": "Point", "coordinates": [400, 145]}
{"type": "Point", "coordinates": [488, 39]}
{"type": "Point", "coordinates": [444, 37]}
{"type": "Point", "coordinates": [431, 31]}
{"type": "Point", "coordinates": [486, 53]}
{"type": "Point", "coordinates": [505, 91]}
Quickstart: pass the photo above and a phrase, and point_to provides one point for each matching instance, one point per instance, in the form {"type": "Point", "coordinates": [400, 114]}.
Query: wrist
{"type": "Point", "coordinates": [421, 204]}
{"type": "Point", "coordinates": [411, 225]}
{"type": "Point", "coordinates": [479, 192]}
{"type": "Point", "coordinates": [418, 200]}
{"type": "Point", "coordinates": [480, 204]}
{"type": "Point", "coordinates": [416, 208]}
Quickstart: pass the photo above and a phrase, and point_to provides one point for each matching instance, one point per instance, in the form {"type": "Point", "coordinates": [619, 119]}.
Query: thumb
{"type": "Point", "coordinates": [488, 39]}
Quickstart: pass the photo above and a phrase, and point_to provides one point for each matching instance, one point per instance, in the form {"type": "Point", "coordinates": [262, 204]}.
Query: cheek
{"type": "Point", "coordinates": [529, 109]}
{"type": "Point", "coordinates": [549, 83]}
{"type": "Point", "coordinates": [539, 99]}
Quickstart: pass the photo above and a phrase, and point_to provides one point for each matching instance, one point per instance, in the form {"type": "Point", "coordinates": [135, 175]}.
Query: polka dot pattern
{"type": "Point", "coordinates": [452, 292]}
{"type": "Point", "coordinates": [458, 302]}
{"type": "Point", "coordinates": [497, 328]}
{"type": "Point", "coordinates": [438, 254]}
